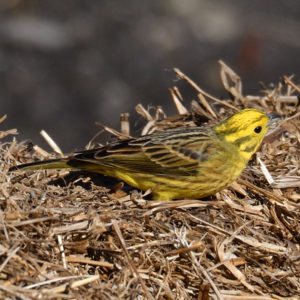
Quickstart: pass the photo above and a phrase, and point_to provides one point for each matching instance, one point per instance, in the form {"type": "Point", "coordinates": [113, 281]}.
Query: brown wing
{"type": "Point", "coordinates": [172, 152]}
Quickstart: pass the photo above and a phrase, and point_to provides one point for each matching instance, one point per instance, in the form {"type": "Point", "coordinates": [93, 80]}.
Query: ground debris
{"type": "Point", "coordinates": [78, 235]}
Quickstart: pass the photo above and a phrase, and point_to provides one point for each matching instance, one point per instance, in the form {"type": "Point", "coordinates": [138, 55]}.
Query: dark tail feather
{"type": "Point", "coordinates": [60, 163]}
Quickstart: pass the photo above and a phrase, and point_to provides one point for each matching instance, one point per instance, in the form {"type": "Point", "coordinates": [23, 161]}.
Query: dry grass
{"type": "Point", "coordinates": [65, 237]}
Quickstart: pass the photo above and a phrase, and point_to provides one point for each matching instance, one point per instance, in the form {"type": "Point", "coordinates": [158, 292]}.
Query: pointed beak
{"type": "Point", "coordinates": [273, 119]}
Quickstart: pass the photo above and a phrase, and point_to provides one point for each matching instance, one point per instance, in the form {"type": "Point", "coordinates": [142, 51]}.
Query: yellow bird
{"type": "Point", "coordinates": [185, 162]}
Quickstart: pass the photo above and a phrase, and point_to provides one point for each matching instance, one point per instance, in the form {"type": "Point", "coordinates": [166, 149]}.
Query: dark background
{"type": "Point", "coordinates": [66, 64]}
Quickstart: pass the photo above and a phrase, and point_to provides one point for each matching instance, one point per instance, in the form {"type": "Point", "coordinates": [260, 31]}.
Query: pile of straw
{"type": "Point", "coordinates": [77, 235]}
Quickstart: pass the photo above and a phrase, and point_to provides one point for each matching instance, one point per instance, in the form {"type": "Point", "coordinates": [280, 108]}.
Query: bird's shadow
{"type": "Point", "coordinates": [79, 178]}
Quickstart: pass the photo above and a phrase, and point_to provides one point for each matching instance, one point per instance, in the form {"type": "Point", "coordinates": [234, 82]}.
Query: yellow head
{"type": "Point", "coordinates": [244, 130]}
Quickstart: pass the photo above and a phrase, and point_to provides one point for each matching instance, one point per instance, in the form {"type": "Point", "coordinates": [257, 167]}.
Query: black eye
{"type": "Point", "coordinates": [257, 129]}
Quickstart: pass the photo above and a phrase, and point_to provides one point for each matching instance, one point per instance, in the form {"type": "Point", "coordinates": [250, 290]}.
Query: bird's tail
{"type": "Point", "coordinates": [59, 163]}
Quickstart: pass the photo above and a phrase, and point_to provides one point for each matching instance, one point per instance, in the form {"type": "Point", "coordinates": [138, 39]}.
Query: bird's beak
{"type": "Point", "coordinates": [273, 119]}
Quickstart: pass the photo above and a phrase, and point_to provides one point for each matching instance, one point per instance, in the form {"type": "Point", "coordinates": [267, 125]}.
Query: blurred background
{"type": "Point", "coordinates": [66, 64]}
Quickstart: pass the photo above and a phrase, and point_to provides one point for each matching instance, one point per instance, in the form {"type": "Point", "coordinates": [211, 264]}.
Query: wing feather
{"type": "Point", "coordinates": [175, 152]}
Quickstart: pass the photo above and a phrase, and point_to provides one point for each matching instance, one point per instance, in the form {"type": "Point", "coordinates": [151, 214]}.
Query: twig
{"type": "Point", "coordinates": [51, 143]}
{"type": "Point", "coordinates": [180, 107]}
{"type": "Point", "coordinates": [199, 266]}
{"type": "Point", "coordinates": [62, 250]}
{"type": "Point", "coordinates": [15, 293]}
{"type": "Point", "coordinates": [82, 260]}
{"type": "Point", "coordinates": [197, 88]}
{"type": "Point", "coordinates": [132, 265]}
{"type": "Point", "coordinates": [32, 286]}
{"type": "Point", "coordinates": [291, 83]}
{"type": "Point", "coordinates": [11, 254]}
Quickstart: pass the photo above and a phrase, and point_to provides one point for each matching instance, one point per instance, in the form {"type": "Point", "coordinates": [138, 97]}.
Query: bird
{"type": "Point", "coordinates": [177, 163]}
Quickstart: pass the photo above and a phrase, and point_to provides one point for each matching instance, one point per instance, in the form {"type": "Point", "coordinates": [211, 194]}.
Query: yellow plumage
{"type": "Point", "coordinates": [186, 162]}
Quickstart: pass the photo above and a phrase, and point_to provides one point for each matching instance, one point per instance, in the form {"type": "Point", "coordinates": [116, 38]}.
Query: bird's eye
{"type": "Point", "coordinates": [257, 129]}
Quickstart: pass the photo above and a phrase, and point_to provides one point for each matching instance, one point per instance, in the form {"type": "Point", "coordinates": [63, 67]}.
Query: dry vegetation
{"type": "Point", "coordinates": [79, 236]}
